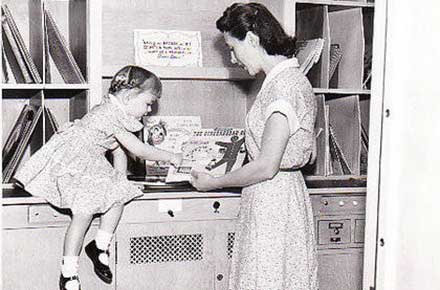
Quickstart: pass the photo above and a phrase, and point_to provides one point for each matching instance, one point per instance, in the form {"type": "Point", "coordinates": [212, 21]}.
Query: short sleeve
{"type": "Point", "coordinates": [120, 121]}
{"type": "Point", "coordinates": [128, 123]}
{"type": "Point", "coordinates": [284, 107]}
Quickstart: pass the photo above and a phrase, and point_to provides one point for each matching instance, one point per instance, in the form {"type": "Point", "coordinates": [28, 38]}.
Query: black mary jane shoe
{"type": "Point", "coordinates": [103, 271]}
{"type": "Point", "coordinates": [64, 280]}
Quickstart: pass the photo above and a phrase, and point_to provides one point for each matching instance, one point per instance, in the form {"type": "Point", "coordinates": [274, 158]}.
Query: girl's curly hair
{"type": "Point", "coordinates": [130, 77]}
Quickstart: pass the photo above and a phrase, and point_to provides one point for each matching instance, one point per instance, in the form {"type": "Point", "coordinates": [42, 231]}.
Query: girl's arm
{"type": "Point", "coordinates": [120, 159]}
{"type": "Point", "coordinates": [264, 167]}
{"type": "Point", "coordinates": [146, 151]}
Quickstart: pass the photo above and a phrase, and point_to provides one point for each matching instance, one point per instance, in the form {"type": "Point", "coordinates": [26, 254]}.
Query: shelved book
{"type": "Point", "coordinates": [167, 133]}
{"type": "Point", "coordinates": [308, 53]}
{"type": "Point", "coordinates": [341, 139]}
{"type": "Point", "coordinates": [20, 137]}
{"type": "Point", "coordinates": [335, 58]}
{"type": "Point", "coordinates": [58, 49]}
{"type": "Point", "coordinates": [15, 55]}
{"type": "Point", "coordinates": [214, 151]}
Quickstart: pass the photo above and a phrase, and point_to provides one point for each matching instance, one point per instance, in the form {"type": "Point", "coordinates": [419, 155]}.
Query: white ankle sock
{"type": "Point", "coordinates": [103, 240]}
{"type": "Point", "coordinates": [72, 285]}
{"type": "Point", "coordinates": [69, 268]}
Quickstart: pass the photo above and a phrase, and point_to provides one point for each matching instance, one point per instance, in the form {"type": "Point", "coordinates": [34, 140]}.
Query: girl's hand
{"type": "Point", "coordinates": [176, 160]}
{"type": "Point", "coordinates": [202, 181]}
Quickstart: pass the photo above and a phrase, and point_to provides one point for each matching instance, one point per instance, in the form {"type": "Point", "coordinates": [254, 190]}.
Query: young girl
{"type": "Point", "coordinates": [71, 171]}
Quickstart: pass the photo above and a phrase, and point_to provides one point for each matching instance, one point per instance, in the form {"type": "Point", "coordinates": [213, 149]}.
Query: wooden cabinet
{"type": "Point", "coordinates": [175, 255]}
{"type": "Point", "coordinates": [32, 244]}
{"type": "Point", "coordinates": [176, 243]}
{"type": "Point", "coordinates": [339, 224]}
{"type": "Point", "coordinates": [340, 269]}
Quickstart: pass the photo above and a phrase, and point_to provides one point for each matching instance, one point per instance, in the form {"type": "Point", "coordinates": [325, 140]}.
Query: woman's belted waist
{"type": "Point", "coordinates": [289, 169]}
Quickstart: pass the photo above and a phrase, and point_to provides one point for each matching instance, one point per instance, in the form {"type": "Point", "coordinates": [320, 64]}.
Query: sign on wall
{"type": "Point", "coordinates": [168, 47]}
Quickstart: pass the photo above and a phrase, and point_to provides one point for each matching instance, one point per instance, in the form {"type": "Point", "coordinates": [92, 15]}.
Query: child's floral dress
{"type": "Point", "coordinates": [71, 170]}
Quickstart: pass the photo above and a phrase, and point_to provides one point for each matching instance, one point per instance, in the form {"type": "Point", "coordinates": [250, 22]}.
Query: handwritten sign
{"type": "Point", "coordinates": [168, 47]}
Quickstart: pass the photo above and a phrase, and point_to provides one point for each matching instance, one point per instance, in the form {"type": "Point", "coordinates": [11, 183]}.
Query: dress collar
{"type": "Point", "coordinates": [288, 63]}
{"type": "Point", "coordinates": [115, 101]}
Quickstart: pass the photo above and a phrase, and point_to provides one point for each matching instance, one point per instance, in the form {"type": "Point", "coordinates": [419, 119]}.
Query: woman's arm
{"type": "Point", "coordinates": [264, 167]}
{"type": "Point", "coordinates": [145, 151]}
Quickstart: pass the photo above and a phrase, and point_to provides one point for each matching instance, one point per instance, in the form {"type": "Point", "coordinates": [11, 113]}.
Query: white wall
{"type": "Point", "coordinates": [409, 212]}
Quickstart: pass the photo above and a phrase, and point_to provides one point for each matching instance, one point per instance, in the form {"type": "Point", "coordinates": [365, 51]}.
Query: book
{"type": "Point", "coordinates": [339, 161]}
{"type": "Point", "coordinates": [168, 133]}
{"type": "Point", "coordinates": [13, 138]}
{"type": "Point", "coordinates": [47, 69]}
{"type": "Point", "coordinates": [60, 53]}
{"type": "Point", "coordinates": [321, 135]}
{"type": "Point", "coordinates": [12, 52]}
{"type": "Point", "coordinates": [335, 58]}
{"type": "Point", "coordinates": [345, 119]}
{"type": "Point", "coordinates": [364, 151]}
{"type": "Point", "coordinates": [308, 53]}
{"type": "Point", "coordinates": [327, 168]}
{"type": "Point", "coordinates": [52, 124]}
{"type": "Point", "coordinates": [29, 62]}
{"type": "Point", "coordinates": [368, 58]}
{"type": "Point", "coordinates": [214, 151]}
{"type": "Point", "coordinates": [5, 68]}
{"type": "Point", "coordinates": [27, 125]}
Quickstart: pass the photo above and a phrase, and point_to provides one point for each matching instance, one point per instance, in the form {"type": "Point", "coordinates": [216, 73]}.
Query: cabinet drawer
{"type": "Point", "coordinates": [331, 232]}
{"type": "Point", "coordinates": [328, 205]}
{"type": "Point", "coordinates": [38, 214]}
{"type": "Point", "coordinates": [181, 210]}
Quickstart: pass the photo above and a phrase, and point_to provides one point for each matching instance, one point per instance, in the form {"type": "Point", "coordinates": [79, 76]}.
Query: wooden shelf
{"type": "Point", "coordinates": [337, 3]}
{"type": "Point", "coordinates": [190, 73]}
{"type": "Point", "coordinates": [22, 86]}
{"type": "Point", "coordinates": [66, 86]}
{"type": "Point", "coordinates": [336, 181]}
{"type": "Point", "coordinates": [45, 86]}
{"type": "Point", "coordinates": [341, 91]}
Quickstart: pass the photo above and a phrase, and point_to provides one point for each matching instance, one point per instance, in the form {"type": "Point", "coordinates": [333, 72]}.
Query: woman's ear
{"type": "Point", "coordinates": [253, 39]}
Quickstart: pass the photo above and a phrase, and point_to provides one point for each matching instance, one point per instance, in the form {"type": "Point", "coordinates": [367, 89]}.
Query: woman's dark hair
{"type": "Point", "coordinates": [130, 77]}
{"type": "Point", "coordinates": [240, 18]}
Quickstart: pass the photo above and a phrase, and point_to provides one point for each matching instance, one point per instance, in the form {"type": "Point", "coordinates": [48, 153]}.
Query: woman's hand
{"type": "Point", "coordinates": [202, 181]}
{"type": "Point", "coordinates": [176, 160]}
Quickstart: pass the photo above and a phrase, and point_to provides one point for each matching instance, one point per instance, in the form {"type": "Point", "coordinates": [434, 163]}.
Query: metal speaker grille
{"type": "Point", "coordinates": [162, 249]}
{"type": "Point", "coordinates": [231, 239]}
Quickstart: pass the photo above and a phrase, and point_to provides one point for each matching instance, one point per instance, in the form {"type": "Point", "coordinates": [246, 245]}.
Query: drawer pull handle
{"type": "Point", "coordinates": [219, 277]}
{"type": "Point", "coordinates": [335, 240]}
{"type": "Point", "coordinates": [171, 213]}
{"type": "Point", "coordinates": [216, 206]}
{"type": "Point", "coordinates": [335, 225]}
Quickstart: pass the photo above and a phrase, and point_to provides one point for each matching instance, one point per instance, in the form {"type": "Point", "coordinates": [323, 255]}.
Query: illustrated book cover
{"type": "Point", "coordinates": [168, 133]}
{"type": "Point", "coordinates": [214, 151]}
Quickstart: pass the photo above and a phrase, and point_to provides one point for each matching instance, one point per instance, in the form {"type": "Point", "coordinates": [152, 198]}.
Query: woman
{"type": "Point", "coordinates": [275, 245]}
